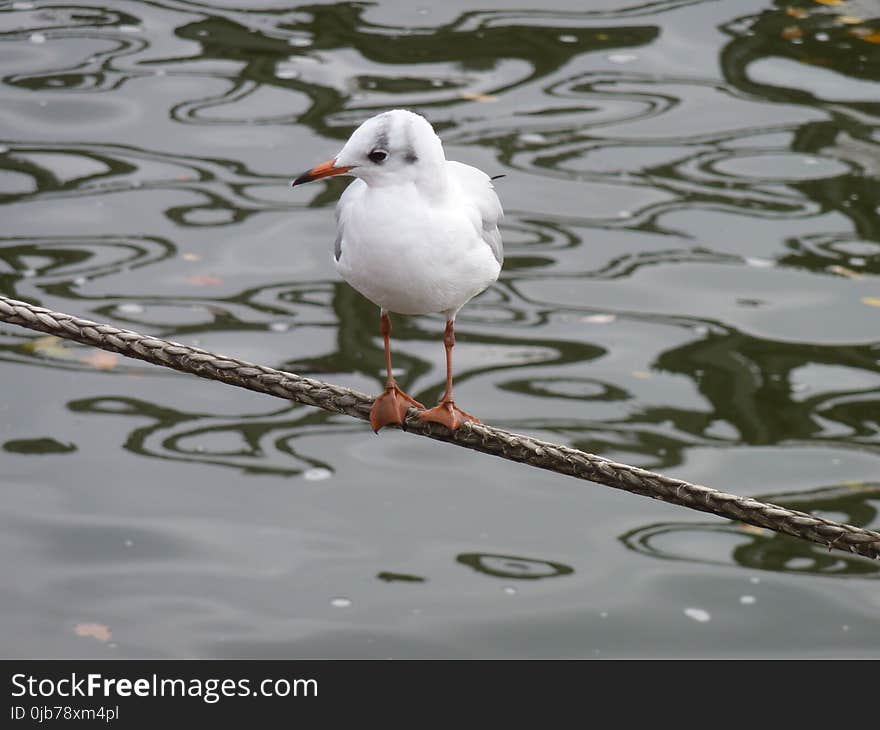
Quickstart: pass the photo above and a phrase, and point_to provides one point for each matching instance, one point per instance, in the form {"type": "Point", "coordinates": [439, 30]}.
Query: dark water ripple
{"type": "Point", "coordinates": [260, 444]}
{"type": "Point", "coordinates": [225, 189]}
{"type": "Point", "coordinates": [762, 549]}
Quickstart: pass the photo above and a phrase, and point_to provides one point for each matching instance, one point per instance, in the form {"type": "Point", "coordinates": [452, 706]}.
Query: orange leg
{"type": "Point", "coordinates": [447, 412]}
{"type": "Point", "coordinates": [390, 408]}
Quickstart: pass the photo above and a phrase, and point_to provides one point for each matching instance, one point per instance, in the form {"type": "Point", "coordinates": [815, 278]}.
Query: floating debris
{"type": "Point", "coordinates": [599, 318]}
{"type": "Point", "coordinates": [102, 360]}
{"type": "Point", "coordinates": [532, 138]}
{"type": "Point", "coordinates": [340, 602]}
{"type": "Point", "coordinates": [758, 263]}
{"type": "Point", "coordinates": [286, 71]}
{"type": "Point", "coordinates": [843, 271]}
{"type": "Point", "coordinates": [96, 631]}
{"type": "Point", "coordinates": [476, 96]}
{"type": "Point", "coordinates": [49, 346]}
{"type": "Point", "coordinates": [203, 280]}
{"type": "Point", "coordinates": [622, 57]}
{"type": "Point", "coordinates": [698, 614]}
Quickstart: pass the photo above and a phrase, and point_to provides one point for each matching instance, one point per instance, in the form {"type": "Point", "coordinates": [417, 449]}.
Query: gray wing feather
{"type": "Point", "coordinates": [346, 200]}
{"type": "Point", "coordinates": [492, 236]}
{"type": "Point", "coordinates": [479, 188]}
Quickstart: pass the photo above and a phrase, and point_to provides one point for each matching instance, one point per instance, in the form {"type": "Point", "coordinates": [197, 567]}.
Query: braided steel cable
{"type": "Point", "coordinates": [476, 436]}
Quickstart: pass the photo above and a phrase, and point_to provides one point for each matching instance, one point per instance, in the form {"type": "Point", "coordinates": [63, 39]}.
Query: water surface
{"type": "Point", "coordinates": [691, 286]}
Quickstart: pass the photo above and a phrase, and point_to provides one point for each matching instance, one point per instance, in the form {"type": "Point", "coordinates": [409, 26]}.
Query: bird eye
{"type": "Point", "coordinates": [378, 156]}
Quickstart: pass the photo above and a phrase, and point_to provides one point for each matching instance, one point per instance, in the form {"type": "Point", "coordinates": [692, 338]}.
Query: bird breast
{"type": "Point", "coordinates": [410, 254]}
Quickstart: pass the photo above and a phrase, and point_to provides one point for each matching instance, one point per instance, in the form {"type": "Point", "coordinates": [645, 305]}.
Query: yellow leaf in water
{"type": "Point", "coordinates": [96, 631]}
{"type": "Point", "coordinates": [831, 2]}
{"type": "Point", "coordinates": [797, 12]}
{"type": "Point", "coordinates": [849, 19]}
{"type": "Point", "coordinates": [753, 529]}
{"type": "Point", "coordinates": [871, 301]}
{"type": "Point", "coordinates": [40, 343]}
{"type": "Point", "coordinates": [477, 96]}
{"type": "Point", "coordinates": [843, 271]}
{"type": "Point", "coordinates": [792, 31]}
{"type": "Point", "coordinates": [51, 347]}
{"type": "Point", "coordinates": [102, 360]}
{"type": "Point", "coordinates": [872, 37]}
{"type": "Point", "coordinates": [203, 280]}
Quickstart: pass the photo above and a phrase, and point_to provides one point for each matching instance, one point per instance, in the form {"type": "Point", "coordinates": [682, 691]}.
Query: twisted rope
{"type": "Point", "coordinates": [479, 437]}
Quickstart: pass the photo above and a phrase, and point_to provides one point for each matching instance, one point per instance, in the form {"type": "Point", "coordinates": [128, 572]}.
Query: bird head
{"type": "Point", "coordinates": [390, 148]}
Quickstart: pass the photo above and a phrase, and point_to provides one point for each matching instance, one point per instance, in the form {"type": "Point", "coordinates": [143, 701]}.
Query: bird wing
{"type": "Point", "coordinates": [477, 188]}
{"type": "Point", "coordinates": [343, 210]}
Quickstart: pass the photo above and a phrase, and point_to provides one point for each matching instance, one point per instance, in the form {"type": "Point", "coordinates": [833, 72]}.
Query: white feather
{"type": "Point", "coordinates": [420, 237]}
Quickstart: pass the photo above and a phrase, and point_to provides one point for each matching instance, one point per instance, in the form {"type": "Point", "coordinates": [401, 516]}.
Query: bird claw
{"type": "Point", "coordinates": [389, 409]}
{"type": "Point", "coordinates": [447, 414]}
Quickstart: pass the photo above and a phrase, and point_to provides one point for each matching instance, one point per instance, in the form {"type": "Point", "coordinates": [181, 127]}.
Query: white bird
{"type": "Point", "coordinates": [416, 234]}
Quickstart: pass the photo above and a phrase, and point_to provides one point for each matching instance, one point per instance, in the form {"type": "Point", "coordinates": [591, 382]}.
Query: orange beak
{"type": "Point", "coordinates": [325, 169]}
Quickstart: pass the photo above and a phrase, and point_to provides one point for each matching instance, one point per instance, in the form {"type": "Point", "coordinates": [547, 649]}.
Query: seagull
{"type": "Point", "coordinates": [415, 234]}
